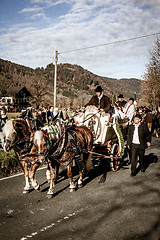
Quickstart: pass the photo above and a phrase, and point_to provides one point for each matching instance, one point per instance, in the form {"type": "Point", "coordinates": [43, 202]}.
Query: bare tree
{"type": "Point", "coordinates": [39, 91]}
{"type": "Point", "coordinates": [151, 77]}
{"type": "Point", "coordinates": [3, 88]}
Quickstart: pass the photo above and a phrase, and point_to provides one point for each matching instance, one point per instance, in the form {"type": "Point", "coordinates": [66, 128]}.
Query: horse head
{"type": "Point", "coordinates": [50, 138]}
{"type": "Point", "coordinates": [13, 131]}
{"type": "Point", "coordinates": [41, 143]}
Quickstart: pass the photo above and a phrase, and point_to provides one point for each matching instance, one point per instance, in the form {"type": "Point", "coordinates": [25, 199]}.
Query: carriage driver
{"type": "Point", "coordinates": [100, 100]}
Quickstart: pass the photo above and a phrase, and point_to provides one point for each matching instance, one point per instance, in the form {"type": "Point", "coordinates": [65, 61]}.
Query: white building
{"type": "Point", "coordinates": [6, 102]}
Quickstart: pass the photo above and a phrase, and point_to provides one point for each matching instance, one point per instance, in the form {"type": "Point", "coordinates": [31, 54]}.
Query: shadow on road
{"type": "Point", "coordinates": [149, 159]}
{"type": "Point", "coordinates": [101, 167]}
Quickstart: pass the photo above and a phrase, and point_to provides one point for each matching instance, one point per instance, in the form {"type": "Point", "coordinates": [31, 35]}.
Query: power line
{"type": "Point", "coordinates": [104, 44]}
{"type": "Point", "coordinates": [62, 57]}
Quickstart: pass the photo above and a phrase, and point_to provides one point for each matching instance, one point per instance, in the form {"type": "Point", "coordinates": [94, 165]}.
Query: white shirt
{"type": "Point", "coordinates": [129, 110]}
{"type": "Point", "coordinates": [99, 98]}
{"type": "Point", "coordinates": [135, 135]}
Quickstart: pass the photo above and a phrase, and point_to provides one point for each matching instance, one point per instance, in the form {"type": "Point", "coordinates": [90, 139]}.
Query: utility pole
{"type": "Point", "coordinates": [55, 77]}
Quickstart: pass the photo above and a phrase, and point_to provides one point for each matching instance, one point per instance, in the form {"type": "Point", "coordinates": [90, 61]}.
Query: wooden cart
{"type": "Point", "coordinates": [109, 133]}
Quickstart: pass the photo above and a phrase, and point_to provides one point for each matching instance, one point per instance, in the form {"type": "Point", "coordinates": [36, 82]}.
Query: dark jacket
{"type": "Point", "coordinates": [39, 122]}
{"type": "Point", "coordinates": [143, 132]}
{"type": "Point", "coordinates": [50, 116]}
{"type": "Point", "coordinates": [121, 103]}
{"type": "Point", "coordinates": [27, 114]}
{"type": "Point", "coordinates": [149, 117]}
{"type": "Point", "coordinates": [105, 103]}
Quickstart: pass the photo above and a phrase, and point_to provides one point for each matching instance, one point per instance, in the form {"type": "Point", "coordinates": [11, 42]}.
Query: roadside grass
{"type": "Point", "coordinates": [9, 164]}
{"type": "Point", "coordinates": [13, 115]}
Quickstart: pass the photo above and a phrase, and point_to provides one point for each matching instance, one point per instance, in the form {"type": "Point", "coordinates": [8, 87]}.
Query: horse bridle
{"type": "Point", "coordinates": [37, 153]}
{"type": "Point", "coordinates": [15, 144]}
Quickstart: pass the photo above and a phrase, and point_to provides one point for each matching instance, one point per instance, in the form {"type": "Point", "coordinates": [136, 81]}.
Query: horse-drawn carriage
{"type": "Point", "coordinates": [62, 142]}
{"type": "Point", "coordinates": [56, 144]}
{"type": "Point", "coordinates": [109, 133]}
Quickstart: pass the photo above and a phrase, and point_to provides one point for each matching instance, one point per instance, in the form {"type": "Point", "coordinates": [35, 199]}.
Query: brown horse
{"type": "Point", "coordinates": [32, 148]}
{"type": "Point", "coordinates": [16, 134]}
{"type": "Point", "coordinates": [74, 143]}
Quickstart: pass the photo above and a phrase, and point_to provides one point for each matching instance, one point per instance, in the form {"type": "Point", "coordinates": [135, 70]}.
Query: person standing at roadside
{"type": "Point", "coordinates": [138, 139]}
{"type": "Point", "coordinates": [28, 116]}
{"type": "Point", "coordinates": [39, 120]}
{"type": "Point", "coordinates": [44, 114]}
{"type": "Point", "coordinates": [4, 117]}
{"type": "Point", "coordinates": [149, 119]}
{"type": "Point", "coordinates": [50, 115]}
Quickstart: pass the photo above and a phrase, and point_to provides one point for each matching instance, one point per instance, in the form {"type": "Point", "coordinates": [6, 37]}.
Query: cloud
{"type": "Point", "coordinates": [85, 24]}
{"type": "Point", "coordinates": [39, 16]}
{"type": "Point", "coordinates": [28, 10]}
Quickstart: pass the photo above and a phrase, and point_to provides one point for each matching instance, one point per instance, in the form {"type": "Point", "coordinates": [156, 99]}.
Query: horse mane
{"type": "Point", "coordinates": [21, 126]}
{"type": "Point", "coordinates": [8, 127]}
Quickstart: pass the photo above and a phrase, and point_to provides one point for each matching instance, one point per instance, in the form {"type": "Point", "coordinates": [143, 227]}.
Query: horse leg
{"type": "Point", "coordinates": [56, 173]}
{"type": "Point", "coordinates": [32, 176]}
{"type": "Point", "coordinates": [87, 159]}
{"type": "Point", "coordinates": [52, 179]}
{"type": "Point", "coordinates": [26, 175]}
{"type": "Point", "coordinates": [48, 174]}
{"type": "Point", "coordinates": [24, 166]}
{"type": "Point", "coordinates": [80, 180]}
{"type": "Point", "coordinates": [70, 176]}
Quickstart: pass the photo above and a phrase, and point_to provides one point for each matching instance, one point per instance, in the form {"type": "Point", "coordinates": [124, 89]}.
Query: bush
{"type": "Point", "coordinates": [9, 164]}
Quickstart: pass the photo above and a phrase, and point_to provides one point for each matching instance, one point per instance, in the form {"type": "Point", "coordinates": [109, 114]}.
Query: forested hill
{"type": "Point", "coordinates": [72, 82]}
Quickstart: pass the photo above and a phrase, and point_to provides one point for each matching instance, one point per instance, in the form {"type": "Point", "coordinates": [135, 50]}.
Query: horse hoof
{"type": "Point", "coordinates": [49, 196]}
{"type": "Point", "coordinates": [72, 190]}
{"type": "Point", "coordinates": [38, 189]}
{"type": "Point", "coordinates": [80, 185]}
{"type": "Point", "coordinates": [25, 191]}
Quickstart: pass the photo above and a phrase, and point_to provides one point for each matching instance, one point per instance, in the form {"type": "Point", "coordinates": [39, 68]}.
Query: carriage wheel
{"type": "Point", "coordinates": [115, 157]}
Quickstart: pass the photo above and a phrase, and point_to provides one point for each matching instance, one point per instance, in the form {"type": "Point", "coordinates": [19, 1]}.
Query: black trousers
{"type": "Point", "coordinates": [137, 151]}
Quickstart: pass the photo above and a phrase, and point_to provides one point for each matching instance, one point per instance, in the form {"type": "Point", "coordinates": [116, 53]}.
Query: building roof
{"type": "Point", "coordinates": [23, 91]}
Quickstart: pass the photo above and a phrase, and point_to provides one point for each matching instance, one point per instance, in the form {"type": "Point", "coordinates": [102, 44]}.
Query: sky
{"type": "Point", "coordinates": [88, 33]}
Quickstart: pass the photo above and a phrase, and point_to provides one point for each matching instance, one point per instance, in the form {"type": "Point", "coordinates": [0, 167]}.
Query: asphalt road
{"type": "Point", "coordinates": [121, 208]}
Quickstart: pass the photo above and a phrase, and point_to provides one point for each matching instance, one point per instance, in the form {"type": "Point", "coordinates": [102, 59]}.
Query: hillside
{"type": "Point", "coordinates": [75, 85]}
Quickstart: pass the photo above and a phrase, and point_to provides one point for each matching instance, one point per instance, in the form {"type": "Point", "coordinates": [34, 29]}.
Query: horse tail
{"type": "Point", "coordinates": [89, 164]}
{"type": "Point", "coordinates": [87, 137]}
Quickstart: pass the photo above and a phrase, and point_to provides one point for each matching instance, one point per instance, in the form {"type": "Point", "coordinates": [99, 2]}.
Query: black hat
{"type": "Point", "coordinates": [138, 116]}
{"type": "Point", "coordinates": [120, 96]}
{"type": "Point", "coordinates": [99, 89]}
{"type": "Point", "coordinates": [131, 99]}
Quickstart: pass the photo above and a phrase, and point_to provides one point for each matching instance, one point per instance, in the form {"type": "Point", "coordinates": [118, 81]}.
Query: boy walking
{"type": "Point", "coordinates": [138, 139]}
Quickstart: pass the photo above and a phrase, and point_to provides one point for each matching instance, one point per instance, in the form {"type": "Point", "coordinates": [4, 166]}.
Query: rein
{"type": "Point", "coordinates": [48, 151]}
{"type": "Point", "coordinates": [36, 154]}
{"type": "Point", "coordinates": [15, 144]}
{"type": "Point", "coordinates": [90, 117]}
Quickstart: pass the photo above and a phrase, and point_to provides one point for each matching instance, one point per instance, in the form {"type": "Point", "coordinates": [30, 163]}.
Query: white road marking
{"type": "Point", "coordinates": [18, 174]}
{"type": "Point", "coordinates": [51, 225]}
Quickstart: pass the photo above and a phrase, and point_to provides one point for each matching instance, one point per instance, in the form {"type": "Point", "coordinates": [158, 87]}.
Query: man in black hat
{"type": "Point", "coordinates": [138, 139]}
{"type": "Point", "coordinates": [121, 102]}
{"type": "Point", "coordinates": [100, 100]}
